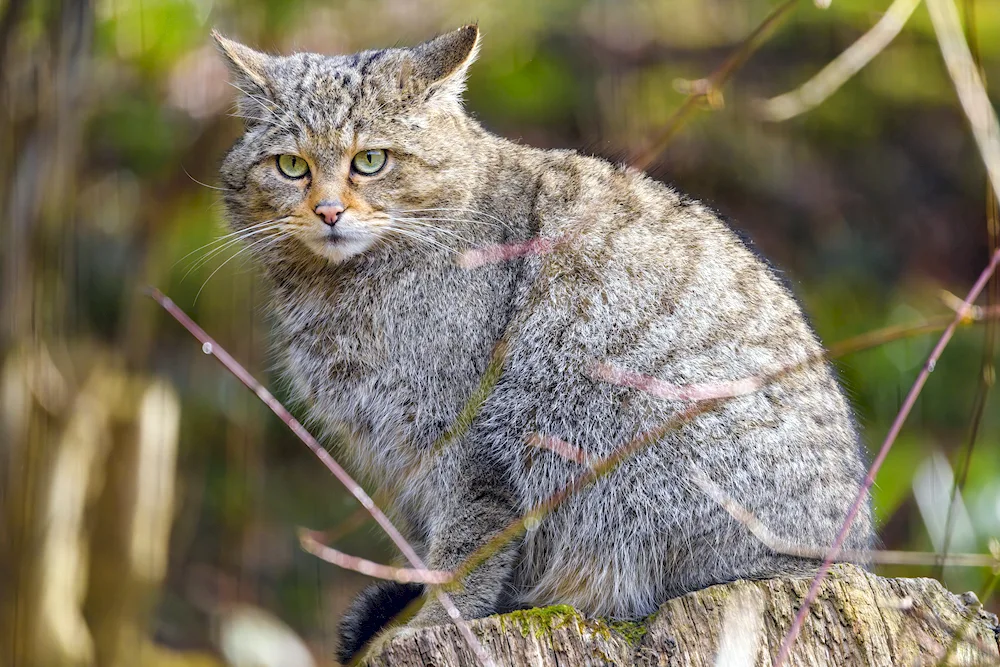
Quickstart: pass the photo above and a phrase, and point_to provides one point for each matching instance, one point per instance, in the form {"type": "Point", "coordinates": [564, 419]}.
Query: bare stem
{"type": "Point", "coordinates": [711, 85]}
{"type": "Point", "coordinates": [783, 546]}
{"type": "Point", "coordinates": [826, 82]}
{"type": "Point", "coordinates": [968, 84]}
{"type": "Point", "coordinates": [310, 542]}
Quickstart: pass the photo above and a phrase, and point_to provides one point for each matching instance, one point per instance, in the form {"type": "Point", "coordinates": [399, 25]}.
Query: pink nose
{"type": "Point", "coordinates": [329, 211]}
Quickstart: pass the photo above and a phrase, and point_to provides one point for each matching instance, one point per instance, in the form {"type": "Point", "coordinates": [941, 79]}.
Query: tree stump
{"type": "Point", "coordinates": [857, 619]}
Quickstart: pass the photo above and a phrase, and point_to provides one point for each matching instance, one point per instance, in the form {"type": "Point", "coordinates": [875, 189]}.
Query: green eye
{"type": "Point", "coordinates": [292, 166]}
{"type": "Point", "coordinates": [369, 162]}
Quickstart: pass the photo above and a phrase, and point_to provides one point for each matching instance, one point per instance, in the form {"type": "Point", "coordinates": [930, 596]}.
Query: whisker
{"type": "Point", "coordinates": [274, 242]}
{"type": "Point", "coordinates": [231, 242]}
{"type": "Point", "coordinates": [210, 187]}
{"type": "Point", "coordinates": [212, 253]}
{"type": "Point", "coordinates": [499, 221]}
{"type": "Point", "coordinates": [420, 223]}
{"type": "Point", "coordinates": [465, 209]}
{"type": "Point", "coordinates": [442, 219]}
{"type": "Point", "coordinates": [410, 233]}
{"type": "Point", "coordinates": [235, 255]}
{"type": "Point", "coordinates": [226, 236]}
{"type": "Point", "coordinates": [419, 237]}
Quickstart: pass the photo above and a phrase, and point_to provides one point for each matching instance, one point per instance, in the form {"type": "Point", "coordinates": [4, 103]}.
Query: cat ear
{"type": "Point", "coordinates": [441, 65]}
{"type": "Point", "coordinates": [248, 71]}
{"type": "Point", "coordinates": [244, 63]}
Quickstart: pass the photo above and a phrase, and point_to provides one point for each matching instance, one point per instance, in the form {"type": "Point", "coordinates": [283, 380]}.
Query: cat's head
{"type": "Point", "coordinates": [340, 151]}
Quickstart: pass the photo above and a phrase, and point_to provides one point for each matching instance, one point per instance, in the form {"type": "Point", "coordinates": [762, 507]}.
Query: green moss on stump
{"type": "Point", "coordinates": [632, 631]}
{"type": "Point", "coordinates": [540, 621]}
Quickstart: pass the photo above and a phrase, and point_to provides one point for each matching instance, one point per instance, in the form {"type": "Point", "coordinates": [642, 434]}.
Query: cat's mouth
{"type": "Point", "coordinates": [341, 234]}
{"type": "Point", "coordinates": [333, 237]}
{"type": "Point", "coordinates": [338, 244]}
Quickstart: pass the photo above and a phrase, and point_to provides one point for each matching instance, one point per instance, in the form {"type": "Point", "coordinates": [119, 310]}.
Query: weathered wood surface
{"type": "Point", "coordinates": [858, 619]}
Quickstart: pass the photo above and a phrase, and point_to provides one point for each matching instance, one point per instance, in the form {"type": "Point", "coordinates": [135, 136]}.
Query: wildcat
{"type": "Point", "coordinates": [361, 185]}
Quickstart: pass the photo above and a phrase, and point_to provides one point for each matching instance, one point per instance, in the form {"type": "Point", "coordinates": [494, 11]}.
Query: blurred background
{"type": "Point", "coordinates": [150, 503]}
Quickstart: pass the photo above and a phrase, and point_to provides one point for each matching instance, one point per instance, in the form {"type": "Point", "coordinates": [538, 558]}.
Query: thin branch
{"type": "Point", "coordinates": [566, 450]}
{"type": "Point", "coordinates": [599, 469]}
{"type": "Point", "coordinates": [748, 385]}
{"type": "Point", "coordinates": [310, 542]}
{"type": "Point", "coordinates": [956, 304]}
{"type": "Point", "coordinates": [778, 544]}
{"type": "Point", "coordinates": [467, 414]}
{"type": "Point", "coordinates": [783, 546]}
{"type": "Point", "coordinates": [209, 346]}
{"type": "Point", "coordinates": [502, 252]}
{"type": "Point", "coordinates": [890, 438]}
{"type": "Point", "coordinates": [978, 410]}
{"type": "Point", "coordinates": [987, 369]}
{"type": "Point", "coordinates": [903, 331]}
{"type": "Point", "coordinates": [829, 79]}
{"type": "Point", "coordinates": [706, 88]}
{"type": "Point", "coordinates": [673, 392]}
{"type": "Point", "coordinates": [971, 93]}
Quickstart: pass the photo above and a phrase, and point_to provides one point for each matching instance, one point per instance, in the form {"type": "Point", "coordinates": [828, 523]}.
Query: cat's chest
{"type": "Point", "coordinates": [325, 336]}
{"type": "Point", "coordinates": [367, 327]}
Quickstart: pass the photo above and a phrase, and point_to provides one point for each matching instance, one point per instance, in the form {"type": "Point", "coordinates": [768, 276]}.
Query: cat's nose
{"type": "Point", "coordinates": [329, 210]}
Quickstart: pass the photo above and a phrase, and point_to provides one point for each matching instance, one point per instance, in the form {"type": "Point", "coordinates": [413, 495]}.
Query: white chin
{"type": "Point", "coordinates": [340, 250]}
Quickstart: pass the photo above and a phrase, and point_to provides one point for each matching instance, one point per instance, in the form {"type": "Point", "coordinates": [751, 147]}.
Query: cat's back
{"type": "Point", "coordinates": [638, 270]}
{"type": "Point", "coordinates": [648, 284]}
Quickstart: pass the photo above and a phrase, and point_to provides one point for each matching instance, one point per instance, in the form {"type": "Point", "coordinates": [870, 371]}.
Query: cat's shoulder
{"type": "Point", "coordinates": [586, 196]}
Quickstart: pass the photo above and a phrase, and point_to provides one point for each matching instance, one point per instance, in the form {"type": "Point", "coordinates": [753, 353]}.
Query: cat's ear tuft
{"type": "Point", "coordinates": [246, 66]}
{"type": "Point", "coordinates": [442, 64]}
{"type": "Point", "coordinates": [248, 71]}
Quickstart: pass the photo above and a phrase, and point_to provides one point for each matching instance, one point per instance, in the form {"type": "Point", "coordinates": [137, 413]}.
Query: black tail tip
{"type": "Point", "coordinates": [371, 611]}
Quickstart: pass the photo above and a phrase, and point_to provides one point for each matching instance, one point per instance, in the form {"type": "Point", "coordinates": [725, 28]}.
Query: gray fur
{"type": "Point", "coordinates": [386, 337]}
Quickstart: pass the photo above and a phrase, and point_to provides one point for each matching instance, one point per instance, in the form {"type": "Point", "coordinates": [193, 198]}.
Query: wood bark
{"type": "Point", "coordinates": [857, 619]}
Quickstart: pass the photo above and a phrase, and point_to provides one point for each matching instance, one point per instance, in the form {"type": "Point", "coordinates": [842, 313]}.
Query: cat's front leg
{"type": "Point", "coordinates": [468, 516]}
{"type": "Point", "coordinates": [467, 521]}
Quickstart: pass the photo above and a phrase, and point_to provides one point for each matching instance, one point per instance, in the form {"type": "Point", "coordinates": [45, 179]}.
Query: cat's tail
{"type": "Point", "coordinates": [371, 611]}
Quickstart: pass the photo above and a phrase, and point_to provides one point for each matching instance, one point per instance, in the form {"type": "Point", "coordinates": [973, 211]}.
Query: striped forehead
{"type": "Point", "coordinates": [332, 97]}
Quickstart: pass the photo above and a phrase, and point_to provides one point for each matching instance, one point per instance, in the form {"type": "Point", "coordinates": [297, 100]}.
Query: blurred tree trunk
{"type": "Point", "coordinates": [86, 450]}
{"type": "Point", "coordinates": [86, 513]}
{"type": "Point", "coordinates": [44, 64]}
{"type": "Point", "coordinates": [858, 619]}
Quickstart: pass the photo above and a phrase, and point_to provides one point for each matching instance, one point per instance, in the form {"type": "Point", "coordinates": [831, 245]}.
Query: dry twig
{"type": "Point", "coordinates": [829, 79]}
{"type": "Point", "coordinates": [783, 546]}
{"type": "Point", "coordinates": [710, 86]}
{"type": "Point", "coordinates": [310, 542]}
{"type": "Point", "coordinates": [968, 85]}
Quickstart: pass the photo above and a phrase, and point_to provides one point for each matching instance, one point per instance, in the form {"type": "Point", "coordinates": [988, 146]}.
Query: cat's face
{"type": "Point", "coordinates": [339, 152]}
